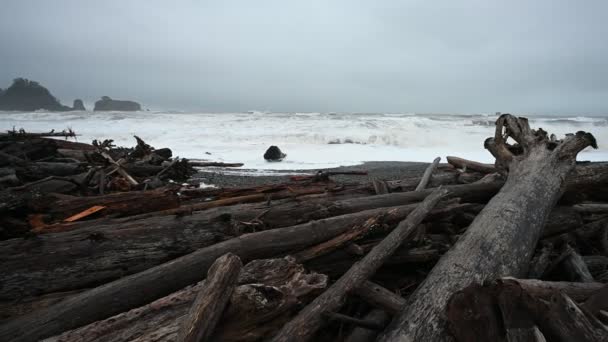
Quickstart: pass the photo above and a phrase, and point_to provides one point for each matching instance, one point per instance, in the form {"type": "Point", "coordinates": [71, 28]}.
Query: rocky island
{"type": "Point", "coordinates": [108, 104]}
{"type": "Point", "coordinates": [26, 95]}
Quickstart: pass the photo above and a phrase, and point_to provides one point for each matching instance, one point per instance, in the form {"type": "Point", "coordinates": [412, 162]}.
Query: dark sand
{"type": "Point", "coordinates": [386, 170]}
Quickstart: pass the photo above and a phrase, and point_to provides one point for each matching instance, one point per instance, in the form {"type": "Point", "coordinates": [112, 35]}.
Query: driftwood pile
{"type": "Point", "coordinates": [43, 180]}
{"type": "Point", "coordinates": [515, 251]}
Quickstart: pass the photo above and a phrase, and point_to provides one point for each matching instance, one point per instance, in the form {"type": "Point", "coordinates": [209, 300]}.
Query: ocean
{"type": "Point", "coordinates": [310, 140]}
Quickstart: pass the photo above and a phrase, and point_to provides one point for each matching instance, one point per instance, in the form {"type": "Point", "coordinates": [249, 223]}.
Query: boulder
{"type": "Point", "coordinates": [26, 95]}
{"type": "Point", "coordinates": [108, 104]}
{"type": "Point", "coordinates": [78, 105]}
{"type": "Point", "coordinates": [273, 153]}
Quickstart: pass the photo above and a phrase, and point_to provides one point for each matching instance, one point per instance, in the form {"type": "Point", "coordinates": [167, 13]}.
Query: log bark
{"type": "Point", "coordinates": [501, 240]}
{"type": "Point", "coordinates": [360, 334]}
{"type": "Point", "coordinates": [87, 257]}
{"type": "Point", "coordinates": [116, 204]}
{"type": "Point", "coordinates": [461, 163]}
{"type": "Point", "coordinates": [576, 268]}
{"type": "Point", "coordinates": [523, 310]}
{"type": "Point", "coordinates": [306, 323]}
{"type": "Point", "coordinates": [204, 314]}
{"type": "Point", "coordinates": [267, 294]}
{"type": "Point", "coordinates": [380, 297]}
{"type": "Point", "coordinates": [125, 293]}
{"type": "Point", "coordinates": [427, 174]}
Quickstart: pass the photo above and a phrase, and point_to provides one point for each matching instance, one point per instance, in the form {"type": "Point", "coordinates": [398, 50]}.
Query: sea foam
{"type": "Point", "coordinates": [311, 140]}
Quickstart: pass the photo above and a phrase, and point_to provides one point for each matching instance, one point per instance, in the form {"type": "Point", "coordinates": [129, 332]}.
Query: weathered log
{"type": "Point", "coordinates": [575, 267]}
{"type": "Point", "coordinates": [518, 323]}
{"type": "Point", "coordinates": [562, 219]}
{"type": "Point", "coordinates": [560, 319]}
{"type": "Point", "coordinates": [380, 297]}
{"type": "Point", "coordinates": [501, 240]}
{"type": "Point", "coordinates": [11, 160]}
{"type": "Point", "coordinates": [306, 323]}
{"type": "Point", "coordinates": [380, 186]}
{"type": "Point", "coordinates": [30, 149]}
{"type": "Point", "coordinates": [204, 314]}
{"type": "Point", "coordinates": [522, 309]}
{"type": "Point", "coordinates": [334, 316]}
{"type": "Point", "coordinates": [540, 262]}
{"type": "Point", "coordinates": [116, 204]}
{"type": "Point", "coordinates": [427, 174]}
{"type": "Point", "coordinates": [472, 315]}
{"type": "Point", "coordinates": [360, 334]}
{"type": "Point", "coordinates": [591, 207]}
{"type": "Point", "coordinates": [216, 164]}
{"type": "Point", "coordinates": [11, 309]}
{"type": "Point", "coordinates": [461, 163]}
{"type": "Point", "coordinates": [88, 257]}
{"type": "Point", "coordinates": [545, 289]}
{"type": "Point", "coordinates": [125, 293]}
{"type": "Point", "coordinates": [597, 302]}
{"type": "Point", "coordinates": [23, 135]}
{"type": "Point", "coordinates": [268, 293]}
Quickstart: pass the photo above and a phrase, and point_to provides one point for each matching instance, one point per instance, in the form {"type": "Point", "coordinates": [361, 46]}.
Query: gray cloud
{"type": "Point", "coordinates": [544, 56]}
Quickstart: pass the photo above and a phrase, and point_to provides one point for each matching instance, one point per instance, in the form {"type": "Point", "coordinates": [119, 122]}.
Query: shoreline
{"type": "Point", "coordinates": [383, 170]}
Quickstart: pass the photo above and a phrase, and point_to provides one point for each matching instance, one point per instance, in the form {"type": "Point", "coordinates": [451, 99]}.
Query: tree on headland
{"type": "Point", "coordinates": [27, 95]}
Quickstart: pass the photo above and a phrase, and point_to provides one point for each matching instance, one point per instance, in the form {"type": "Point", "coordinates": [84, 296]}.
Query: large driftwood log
{"type": "Point", "coordinates": [310, 319]}
{"type": "Point", "coordinates": [502, 238]}
{"type": "Point", "coordinates": [204, 314]}
{"type": "Point", "coordinates": [117, 204]}
{"type": "Point", "coordinates": [88, 257]}
{"type": "Point", "coordinates": [125, 293]}
{"type": "Point", "coordinates": [268, 293]}
{"type": "Point", "coordinates": [512, 309]}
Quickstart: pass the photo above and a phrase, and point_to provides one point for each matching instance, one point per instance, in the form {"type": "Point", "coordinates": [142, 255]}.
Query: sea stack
{"type": "Point", "coordinates": [108, 104]}
{"type": "Point", "coordinates": [78, 105]}
{"type": "Point", "coordinates": [273, 153]}
{"type": "Point", "coordinates": [25, 95]}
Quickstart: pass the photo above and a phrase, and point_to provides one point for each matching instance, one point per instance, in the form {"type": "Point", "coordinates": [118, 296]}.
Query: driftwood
{"type": "Point", "coordinates": [516, 214]}
{"type": "Point", "coordinates": [528, 311]}
{"type": "Point", "coordinates": [116, 204]}
{"type": "Point", "coordinates": [268, 293]}
{"type": "Point", "coordinates": [306, 323]}
{"type": "Point", "coordinates": [464, 164]}
{"type": "Point", "coordinates": [216, 164]}
{"type": "Point", "coordinates": [576, 268]}
{"type": "Point", "coordinates": [380, 297]}
{"type": "Point", "coordinates": [204, 314]}
{"type": "Point", "coordinates": [427, 174]}
{"type": "Point", "coordinates": [161, 280]}
{"type": "Point", "coordinates": [102, 253]}
{"type": "Point", "coordinates": [360, 334]}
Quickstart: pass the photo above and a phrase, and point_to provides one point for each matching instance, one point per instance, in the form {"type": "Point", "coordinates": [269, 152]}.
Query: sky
{"type": "Point", "coordinates": [443, 56]}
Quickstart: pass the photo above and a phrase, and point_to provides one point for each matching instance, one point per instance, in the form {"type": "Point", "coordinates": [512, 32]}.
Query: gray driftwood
{"type": "Point", "coordinates": [306, 323]}
{"type": "Point", "coordinates": [204, 314]}
{"type": "Point", "coordinates": [501, 240]}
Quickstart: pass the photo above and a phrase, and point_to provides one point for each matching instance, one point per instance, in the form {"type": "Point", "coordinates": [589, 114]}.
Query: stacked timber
{"type": "Point", "coordinates": [517, 250]}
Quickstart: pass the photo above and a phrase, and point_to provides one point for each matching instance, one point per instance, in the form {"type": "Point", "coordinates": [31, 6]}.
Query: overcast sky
{"type": "Point", "coordinates": [541, 56]}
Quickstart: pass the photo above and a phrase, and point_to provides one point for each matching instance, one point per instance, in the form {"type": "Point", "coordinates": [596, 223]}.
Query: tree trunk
{"type": "Point", "coordinates": [126, 293]}
{"type": "Point", "coordinates": [204, 314]}
{"type": "Point", "coordinates": [502, 238]}
{"type": "Point", "coordinates": [306, 323]}
{"type": "Point", "coordinates": [267, 295]}
{"type": "Point", "coordinates": [88, 257]}
{"type": "Point", "coordinates": [427, 174]}
{"type": "Point", "coordinates": [116, 204]}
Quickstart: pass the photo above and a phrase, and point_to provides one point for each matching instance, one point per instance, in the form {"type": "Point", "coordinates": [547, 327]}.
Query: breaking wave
{"type": "Point", "coordinates": [311, 140]}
